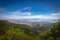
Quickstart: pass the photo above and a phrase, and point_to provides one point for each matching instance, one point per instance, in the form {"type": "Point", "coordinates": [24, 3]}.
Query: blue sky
{"type": "Point", "coordinates": [35, 10]}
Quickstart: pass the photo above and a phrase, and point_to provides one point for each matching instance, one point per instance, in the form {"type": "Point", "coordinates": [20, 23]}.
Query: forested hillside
{"type": "Point", "coordinates": [11, 31]}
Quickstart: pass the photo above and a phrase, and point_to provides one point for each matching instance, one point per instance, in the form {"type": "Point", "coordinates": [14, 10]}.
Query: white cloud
{"type": "Point", "coordinates": [51, 17]}
{"type": "Point", "coordinates": [35, 17]}
{"type": "Point", "coordinates": [19, 13]}
{"type": "Point", "coordinates": [2, 9]}
{"type": "Point", "coordinates": [27, 8]}
{"type": "Point", "coordinates": [28, 15]}
{"type": "Point", "coordinates": [55, 14]}
{"type": "Point", "coordinates": [16, 13]}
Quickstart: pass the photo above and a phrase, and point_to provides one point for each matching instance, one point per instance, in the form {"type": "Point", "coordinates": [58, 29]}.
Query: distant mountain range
{"type": "Point", "coordinates": [32, 24]}
{"type": "Point", "coordinates": [26, 24]}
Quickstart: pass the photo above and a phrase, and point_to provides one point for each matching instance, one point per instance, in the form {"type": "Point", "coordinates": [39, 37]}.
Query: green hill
{"type": "Point", "coordinates": [12, 31]}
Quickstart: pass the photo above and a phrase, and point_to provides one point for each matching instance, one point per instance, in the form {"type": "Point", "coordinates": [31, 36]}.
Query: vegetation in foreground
{"type": "Point", "coordinates": [10, 31]}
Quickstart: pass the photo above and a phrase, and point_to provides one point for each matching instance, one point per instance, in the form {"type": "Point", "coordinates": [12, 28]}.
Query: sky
{"type": "Point", "coordinates": [32, 10]}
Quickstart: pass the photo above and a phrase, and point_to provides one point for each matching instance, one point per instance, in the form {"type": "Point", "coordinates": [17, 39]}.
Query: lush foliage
{"type": "Point", "coordinates": [11, 31]}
